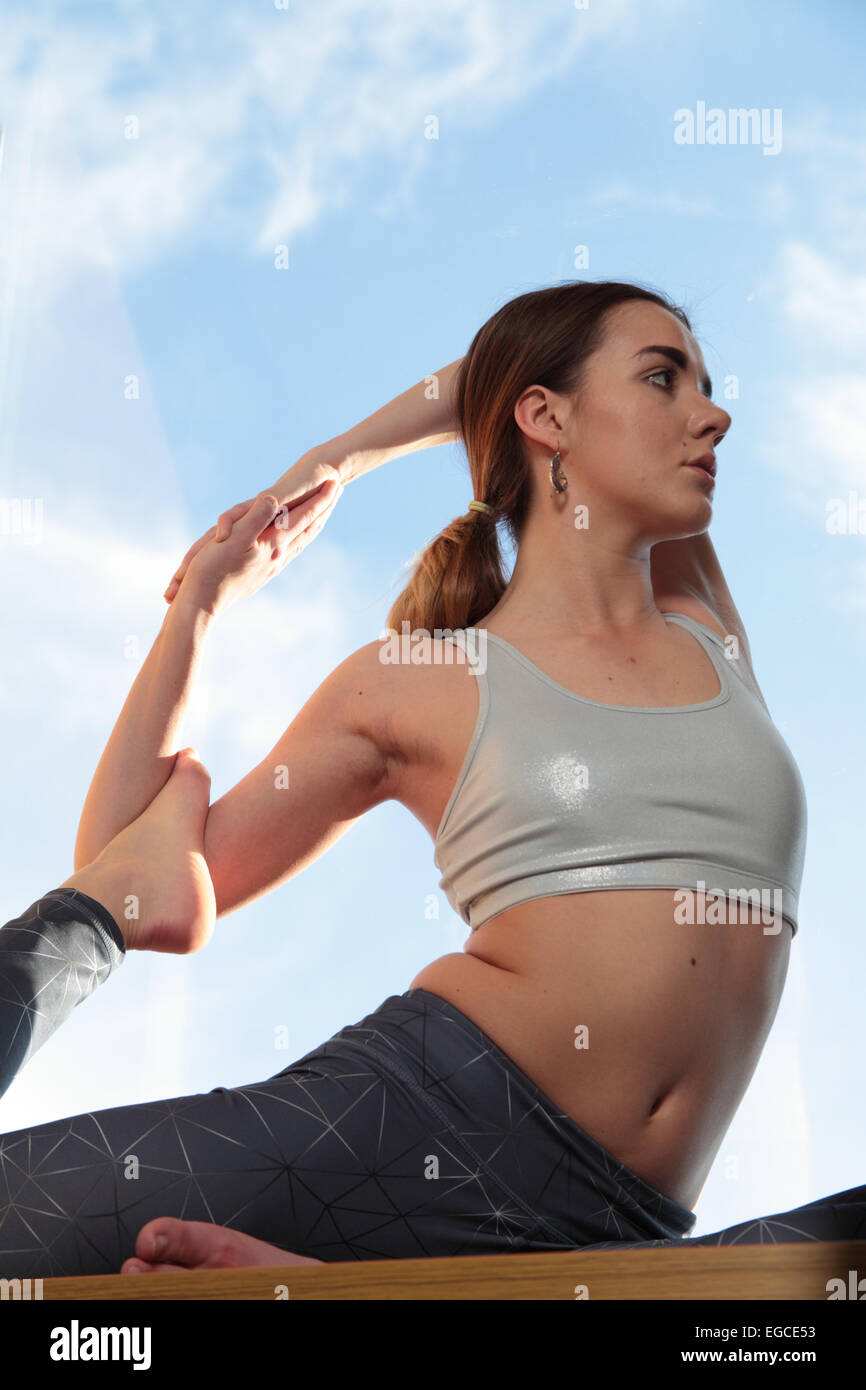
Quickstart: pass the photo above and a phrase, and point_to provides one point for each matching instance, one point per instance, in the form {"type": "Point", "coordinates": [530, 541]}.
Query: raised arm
{"type": "Point", "coordinates": [691, 566]}
{"type": "Point", "coordinates": [420, 417]}
{"type": "Point", "coordinates": [139, 756]}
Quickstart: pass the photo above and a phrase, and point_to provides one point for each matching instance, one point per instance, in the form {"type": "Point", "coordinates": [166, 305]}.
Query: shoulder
{"type": "Point", "coordinates": [693, 608]}
{"type": "Point", "coordinates": [392, 691]}
{"type": "Point", "coordinates": [389, 665]}
{"type": "Point", "coordinates": [711, 616]}
{"type": "Point", "coordinates": [359, 691]}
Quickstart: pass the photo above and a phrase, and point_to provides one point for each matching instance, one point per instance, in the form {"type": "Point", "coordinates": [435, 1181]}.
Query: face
{"type": "Point", "coordinates": [640, 417]}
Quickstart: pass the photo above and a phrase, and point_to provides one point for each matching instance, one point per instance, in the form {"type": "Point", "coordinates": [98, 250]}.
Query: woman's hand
{"type": "Point", "coordinates": [294, 487]}
{"type": "Point", "coordinates": [262, 543]}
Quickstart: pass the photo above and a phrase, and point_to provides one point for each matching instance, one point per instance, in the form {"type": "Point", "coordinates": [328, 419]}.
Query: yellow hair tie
{"type": "Point", "coordinates": [475, 506]}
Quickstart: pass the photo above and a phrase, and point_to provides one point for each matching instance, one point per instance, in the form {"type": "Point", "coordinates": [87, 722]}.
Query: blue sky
{"type": "Point", "coordinates": [154, 257]}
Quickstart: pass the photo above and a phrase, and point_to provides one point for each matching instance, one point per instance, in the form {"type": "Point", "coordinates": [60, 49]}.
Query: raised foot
{"type": "Point", "coordinates": [153, 876]}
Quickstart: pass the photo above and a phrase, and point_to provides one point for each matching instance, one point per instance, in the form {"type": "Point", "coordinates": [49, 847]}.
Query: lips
{"type": "Point", "coordinates": [704, 472]}
{"type": "Point", "coordinates": [707, 462]}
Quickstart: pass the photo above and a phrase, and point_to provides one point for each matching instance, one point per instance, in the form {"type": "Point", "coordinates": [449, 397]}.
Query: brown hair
{"type": "Point", "coordinates": [544, 338]}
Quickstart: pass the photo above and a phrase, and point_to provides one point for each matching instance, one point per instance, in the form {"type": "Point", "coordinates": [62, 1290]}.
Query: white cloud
{"type": "Point", "coordinates": [621, 191]}
{"type": "Point", "coordinates": [821, 299]}
{"type": "Point", "coordinates": [818, 444]}
{"type": "Point", "coordinates": [820, 448]}
{"type": "Point", "coordinates": [828, 153]}
{"type": "Point", "coordinates": [87, 616]}
{"type": "Point", "coordinates": [775, 201]}
{"type": "Point", "coordinates": [301, 106]}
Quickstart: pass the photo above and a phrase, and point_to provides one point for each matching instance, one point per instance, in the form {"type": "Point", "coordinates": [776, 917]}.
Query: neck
{"type": "Point", "coordinates": [593, 583]}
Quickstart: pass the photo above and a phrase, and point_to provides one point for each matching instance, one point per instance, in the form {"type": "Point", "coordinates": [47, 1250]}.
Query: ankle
{"type": "Point", "coordinates": [110, 886]}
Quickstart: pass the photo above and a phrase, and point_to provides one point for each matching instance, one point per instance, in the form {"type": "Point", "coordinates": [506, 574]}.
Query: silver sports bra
{"type": "Point", "coordinates": [561, 794]}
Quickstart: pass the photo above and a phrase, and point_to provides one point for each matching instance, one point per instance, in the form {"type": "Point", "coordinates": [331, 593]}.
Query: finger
{"type": "Point", "coordinates": [257, 520]}
{"type": "Point", "coordinates": [220, 532]}
{"type": "Point", "coordinates": [294, 518]}
{"type": "Point", "coordinates": [226, 520]}
{"type": "Point", "coordinates": [288, 521]}
{"type": "Point", "coordinates": [193, 551]}
{"type": "Point", "coordinates": [293, 498]}
{"type": "Point", "coordinates": [175, 581]}
{"type": "Point", "coordinates": [288, 542]}
{"type": "Point", "coordinates": [287, 517]}
{"type": "Point", "coordinates": [298, 542]}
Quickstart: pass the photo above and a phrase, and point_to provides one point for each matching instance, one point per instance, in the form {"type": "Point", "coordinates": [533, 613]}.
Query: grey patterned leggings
{"type": "Point", "coordinates": [409, 1133]}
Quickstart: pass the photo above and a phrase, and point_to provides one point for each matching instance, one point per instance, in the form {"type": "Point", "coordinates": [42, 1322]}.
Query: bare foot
{"type": "Point", "coordinates": [199, 1245]}
{"type": "Point", "coordinates": [153, 877]}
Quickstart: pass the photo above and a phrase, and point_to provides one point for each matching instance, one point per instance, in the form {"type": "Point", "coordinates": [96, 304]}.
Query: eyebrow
{"type": "Point", "coordinates": [679, 357]}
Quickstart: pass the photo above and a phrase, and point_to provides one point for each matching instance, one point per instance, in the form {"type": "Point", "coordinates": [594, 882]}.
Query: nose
{"type": "Point", "coordinates": [708, 416]}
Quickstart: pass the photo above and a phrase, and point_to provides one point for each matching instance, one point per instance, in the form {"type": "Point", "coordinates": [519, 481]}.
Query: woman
{"type": "Point", "coordinates": [592, 757]}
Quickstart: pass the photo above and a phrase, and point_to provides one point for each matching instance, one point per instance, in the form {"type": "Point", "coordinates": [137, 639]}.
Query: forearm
{"type": "Point", "coordinates": [139, 755]}
{"type": "Point", "coordinates": [417, 419]}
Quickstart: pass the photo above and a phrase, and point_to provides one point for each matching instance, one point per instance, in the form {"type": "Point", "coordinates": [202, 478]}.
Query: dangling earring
{"type": "Point", "coordinates": [557, 477]}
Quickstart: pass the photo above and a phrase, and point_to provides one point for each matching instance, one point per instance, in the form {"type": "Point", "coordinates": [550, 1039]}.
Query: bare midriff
{"type": "Point", "coordinates": [669, 1019]}
{"type": "Point", "coordinates": [644, 1031]}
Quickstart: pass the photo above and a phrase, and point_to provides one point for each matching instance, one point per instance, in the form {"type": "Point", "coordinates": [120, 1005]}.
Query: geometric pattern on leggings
{"type": "Point", "coordinates": [624, 1200]}
{"type": "Point", "coordinates": [841, 1216]}
{"type": "Point", "coordinates": [51, 958]}
{"type": "Point", "coordinates": [334, 1156]}
{"type": "Point", "coordinates": [578, 1190]}
{"type": "Point", "coordinates": [325, 1160]}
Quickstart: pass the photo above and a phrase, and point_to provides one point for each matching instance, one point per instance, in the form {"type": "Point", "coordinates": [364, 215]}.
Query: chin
{"type": "Point", "coordinates": [694, 522]}
{"type": "Point", "coordinates": [700, 524]}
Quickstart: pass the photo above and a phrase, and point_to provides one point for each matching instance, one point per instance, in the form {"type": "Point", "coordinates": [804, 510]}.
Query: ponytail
{"type": "Point", "coordinates": [456, 580]}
